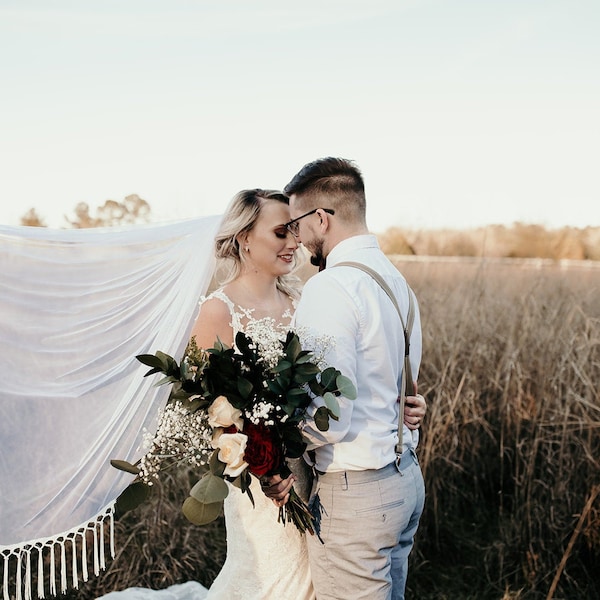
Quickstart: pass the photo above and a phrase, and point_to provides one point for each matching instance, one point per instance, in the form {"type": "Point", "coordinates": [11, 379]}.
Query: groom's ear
{"type": "Point", "coordinates": [324, 224]}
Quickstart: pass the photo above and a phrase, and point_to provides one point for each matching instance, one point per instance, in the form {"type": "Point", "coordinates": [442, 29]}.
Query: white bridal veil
{"type": "Point", "coordinates": [76, 307]}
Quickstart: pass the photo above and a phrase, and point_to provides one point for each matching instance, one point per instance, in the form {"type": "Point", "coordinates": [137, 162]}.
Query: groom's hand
{"type": "Point", "coordinates": [277, 489]}
{"type": "Point", "coordinates": [415, 408]}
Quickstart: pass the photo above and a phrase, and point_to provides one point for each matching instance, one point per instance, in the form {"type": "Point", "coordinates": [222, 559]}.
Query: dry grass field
{"type": "Point", "coordinates": [510, 447]}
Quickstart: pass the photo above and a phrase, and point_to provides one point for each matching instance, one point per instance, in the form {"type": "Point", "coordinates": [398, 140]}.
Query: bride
{"type": "Point", "coordinates": [257, 254]}
{"type": "Point", "coordinates": [264, 558]}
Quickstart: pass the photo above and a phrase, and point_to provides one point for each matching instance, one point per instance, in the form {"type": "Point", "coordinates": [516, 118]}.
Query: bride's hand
{"type": "Point", "coordinates": [277, 489]}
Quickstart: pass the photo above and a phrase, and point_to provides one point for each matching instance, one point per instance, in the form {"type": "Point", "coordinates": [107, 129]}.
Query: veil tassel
{"type": "Point", "coordinates": [65, 554]}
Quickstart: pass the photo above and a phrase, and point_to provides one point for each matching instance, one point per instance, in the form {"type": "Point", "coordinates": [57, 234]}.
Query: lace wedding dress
{"type": "Point", "coordinates": [265, 559]}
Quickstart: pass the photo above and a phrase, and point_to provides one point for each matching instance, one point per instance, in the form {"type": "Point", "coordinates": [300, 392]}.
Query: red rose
{"type": "Point", "coordinates": [263, 452]}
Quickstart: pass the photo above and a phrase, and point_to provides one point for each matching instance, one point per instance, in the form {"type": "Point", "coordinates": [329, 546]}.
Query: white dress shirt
{"type": "Point", "coordinates": [348, 305]}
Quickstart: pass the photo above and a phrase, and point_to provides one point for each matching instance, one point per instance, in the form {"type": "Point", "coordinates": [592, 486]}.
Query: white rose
{"type": "Point", "coordinates": [231, 451]}
{"type": "Point", "coordinates": [222, 414]}
{"type": "Point", "coordinates": [216, 434]}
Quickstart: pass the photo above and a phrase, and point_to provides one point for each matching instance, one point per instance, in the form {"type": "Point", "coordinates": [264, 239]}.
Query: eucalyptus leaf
{"type": "Point", "coordinates": [219, 346]}
{"type": "Point", "coordinates": [332, 404]}
{"type": "Point", "coordinates": [246, 481]}
{"type": "Point", "coordinates": [151, 361]}
{"type": "Point", "coordinates": [293, 349]}
{"type": "Point", "coordinates": [346, 387]}
{"type": "Point", "coordinates": [244, 387]}
{"type": "Point", "coordinates": [201, 514]}
{"type": "Point", "coordinates": [243, 342]}
{"type": "Point", "coordinates": [177, 392]}
{"type": "Point", "coordinates": [123, 465]}
{"type": "Point", "coordinates": [328, 377]}
{"type": "Point", "coordinates": [210, 489]}
{"type": "Point", "coordinates": [275, 386]}
{"type": "Point", "coordinates": [315, 387]}
{"type": "Point", "coordinates": [322, 418]}
{"type": "Point", "coordinates": [170, 366]}
{"type": "Point", "coordinates": [131, 497]}
{"type": "Point", "coordinates": [217, 467]}
{"type": "Point", "coordinates": [304, 373]}
{"type": "Point", "coordinates": [282, 366]}
{"type": "Point", "coordinates": [152, 372]}
{"type": "Point", "coordinates": [304, 357]}
{"type": "Point", "coordinates": [294, 443]}
{"type": "Point", "coordinates": [297, 397]}
{"type": "Point", "coordinates": [195, 404]}
{"type": "Point", "coordinates": [167, 379]}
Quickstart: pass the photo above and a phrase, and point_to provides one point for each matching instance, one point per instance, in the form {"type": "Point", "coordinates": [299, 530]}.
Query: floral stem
{"type": "Point", "coordinates": [297, 512]}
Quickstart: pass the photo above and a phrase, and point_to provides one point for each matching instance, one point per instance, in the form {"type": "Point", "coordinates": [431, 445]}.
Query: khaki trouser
{"type": "Point", "coordinates": [368, 520]}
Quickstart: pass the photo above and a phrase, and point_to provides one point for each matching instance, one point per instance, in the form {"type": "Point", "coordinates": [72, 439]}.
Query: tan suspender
{"type": "Point", "coordinates": [407, 384]}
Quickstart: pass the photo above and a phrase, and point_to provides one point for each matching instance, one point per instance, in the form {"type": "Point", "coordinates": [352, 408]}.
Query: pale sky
{"type": "Point", "coordinates": [460, 113]}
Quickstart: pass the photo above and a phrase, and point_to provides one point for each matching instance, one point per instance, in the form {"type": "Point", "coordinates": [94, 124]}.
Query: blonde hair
{"type": "Point", "coordinates": [240, 217]}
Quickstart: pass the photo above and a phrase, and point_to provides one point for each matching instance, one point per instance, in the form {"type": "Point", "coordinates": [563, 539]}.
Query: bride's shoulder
{"type": "Point", "coordinates": [216, 305]}
{"type": "Point", "coordinates": [214, 320]}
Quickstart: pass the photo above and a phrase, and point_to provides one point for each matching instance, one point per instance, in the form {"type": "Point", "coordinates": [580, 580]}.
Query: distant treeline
{"type": "Point", "coordinates": [499, 241]}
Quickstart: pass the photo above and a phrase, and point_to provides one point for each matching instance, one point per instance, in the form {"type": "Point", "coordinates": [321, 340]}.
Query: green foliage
{"type": "Point", "coordinates": [243, 377]}
{"type": "Point", "coordinates": [135, 494]}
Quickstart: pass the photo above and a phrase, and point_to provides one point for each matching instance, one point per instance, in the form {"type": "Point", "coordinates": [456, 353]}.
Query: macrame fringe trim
{"type": "Point", "coordinates": [67, 551]}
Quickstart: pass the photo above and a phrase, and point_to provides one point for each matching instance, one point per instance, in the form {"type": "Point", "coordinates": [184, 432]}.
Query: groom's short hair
{"type": "Point", "coordinates": [339, 179]}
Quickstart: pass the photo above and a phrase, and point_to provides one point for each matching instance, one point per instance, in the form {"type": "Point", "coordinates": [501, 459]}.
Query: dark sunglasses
{"type": "Point", "coordinates": [294, 227]}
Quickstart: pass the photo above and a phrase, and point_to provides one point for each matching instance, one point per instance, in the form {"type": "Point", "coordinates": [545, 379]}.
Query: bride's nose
{"type": "Point", "coordinates": [292, 241]}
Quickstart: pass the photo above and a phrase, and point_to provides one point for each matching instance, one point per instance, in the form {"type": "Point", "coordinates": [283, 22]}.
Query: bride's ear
{"type": "Point", "coordinates": [242, 240]}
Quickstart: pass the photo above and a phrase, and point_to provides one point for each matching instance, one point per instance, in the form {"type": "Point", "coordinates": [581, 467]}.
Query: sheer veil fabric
{"type": "Point", "coordinates": [76, 307]}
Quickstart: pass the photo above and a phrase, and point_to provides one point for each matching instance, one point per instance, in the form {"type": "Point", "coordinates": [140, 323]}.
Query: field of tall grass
{"type": "Point", "coordinates": [510, 446]}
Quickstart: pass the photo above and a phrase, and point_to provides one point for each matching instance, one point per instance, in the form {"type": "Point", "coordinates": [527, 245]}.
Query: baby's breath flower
{"type": "Point", "coordinates": [268, 340]}
{"type": "Point", "coordinates": [181, 437]}
{"type": "Point", "coordinates": [262, 412]}
{"type": "Point", "coordinates": [319, 345]}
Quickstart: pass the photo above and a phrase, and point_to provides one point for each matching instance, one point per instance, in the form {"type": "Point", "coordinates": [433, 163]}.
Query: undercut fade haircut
{"type": "Point", "coordinates": [337, 178]}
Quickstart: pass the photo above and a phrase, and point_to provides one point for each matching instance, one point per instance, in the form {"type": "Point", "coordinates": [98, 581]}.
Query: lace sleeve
{"type": "Point", "coordinates": [236, 317]}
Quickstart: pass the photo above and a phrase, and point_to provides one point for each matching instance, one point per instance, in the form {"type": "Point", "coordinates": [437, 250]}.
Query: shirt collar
{"type": "Point", "coordinates": [347, 248]}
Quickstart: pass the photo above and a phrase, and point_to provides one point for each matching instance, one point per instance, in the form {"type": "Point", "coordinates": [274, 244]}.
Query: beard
{"type": "Point", "coordinates": [316, 254]}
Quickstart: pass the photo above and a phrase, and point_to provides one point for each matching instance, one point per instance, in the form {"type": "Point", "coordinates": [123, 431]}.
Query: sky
{"type": "Point", "coordinates": [460, 113]}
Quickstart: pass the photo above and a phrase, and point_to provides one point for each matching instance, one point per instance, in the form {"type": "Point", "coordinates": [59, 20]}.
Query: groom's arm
{"type": "Point", "coordinates": [278, 489]}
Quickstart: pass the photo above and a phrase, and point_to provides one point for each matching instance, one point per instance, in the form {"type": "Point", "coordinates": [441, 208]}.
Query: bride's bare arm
{"type": "Point", "coordinates": [277, 489]}
{"type": "Point", "coordinates": [213, 321]}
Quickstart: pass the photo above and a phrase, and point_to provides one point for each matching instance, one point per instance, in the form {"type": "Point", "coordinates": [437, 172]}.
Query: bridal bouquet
{"type": "Point", "coordinates": [236, 413]}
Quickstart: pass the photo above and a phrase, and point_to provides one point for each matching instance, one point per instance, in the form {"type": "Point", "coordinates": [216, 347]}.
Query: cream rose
{"type": "Point", "coordinates": [222, 414]}
{"type": "Point", "coordinates": [216, 434]}
{"type": "Point", "coordinates": [231, 451]}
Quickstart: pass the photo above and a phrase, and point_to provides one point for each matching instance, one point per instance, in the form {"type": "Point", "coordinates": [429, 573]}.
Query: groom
{"type": "Point", "coordinates": [370, 499]}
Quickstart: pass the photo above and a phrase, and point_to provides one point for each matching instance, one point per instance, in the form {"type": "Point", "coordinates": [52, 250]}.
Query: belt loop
{"type": "Point", "coordinates": [345, 481]}
{"type": "Point", "coordinates": [398, 461]}
{"type": "Point", "coordinates": [414, 455]}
